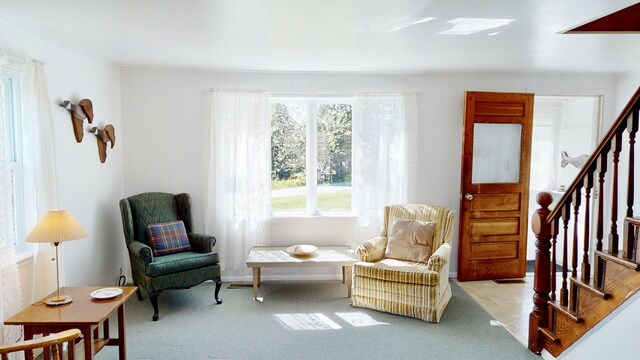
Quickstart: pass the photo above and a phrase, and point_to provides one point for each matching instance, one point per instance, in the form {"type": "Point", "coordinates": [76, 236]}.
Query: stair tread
{"type": "Point", "coordinates": [618, 259]}
{"type": "Point", "coordinates": [565, 310]}
{"type": "Point", "coordinates": [590, 287]}
{"type": "Point", "coordinates": [549, 335]}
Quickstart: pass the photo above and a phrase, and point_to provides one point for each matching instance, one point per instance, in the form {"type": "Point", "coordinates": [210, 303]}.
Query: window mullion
{"type": "Point", "coordinates": [312, 158]}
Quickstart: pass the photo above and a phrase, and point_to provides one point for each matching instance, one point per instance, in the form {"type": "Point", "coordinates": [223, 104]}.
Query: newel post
{"type": "Point", "coordinates": [542, 272]}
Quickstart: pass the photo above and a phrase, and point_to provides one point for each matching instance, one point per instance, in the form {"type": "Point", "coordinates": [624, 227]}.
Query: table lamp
{"type": "Point", "coordinates": [55, 227]}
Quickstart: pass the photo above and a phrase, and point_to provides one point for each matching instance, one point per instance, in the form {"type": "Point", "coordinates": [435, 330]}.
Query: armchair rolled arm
{"type": "Point", "coordinates": [201, 243]}
{"type": "Point", "coordinates": [141, 251]}
{"type": "Point", "coordinates": [439, 258]}
{"type": "Point", "coordinates": [373, 249]}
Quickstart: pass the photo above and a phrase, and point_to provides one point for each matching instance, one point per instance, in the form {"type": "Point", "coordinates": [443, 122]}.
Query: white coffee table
{"type": "Point", "coordinates": [278, 256]}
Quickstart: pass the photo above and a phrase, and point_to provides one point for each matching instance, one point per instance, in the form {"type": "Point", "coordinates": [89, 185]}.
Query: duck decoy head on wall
{"type": "Point", "coordinates": [83, 110]}
{"type": "Point", "coordinates": [103, 136]}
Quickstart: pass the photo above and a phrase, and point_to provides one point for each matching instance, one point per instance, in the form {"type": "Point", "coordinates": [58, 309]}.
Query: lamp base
{"type": "Point", "coordinates": [58, 300]}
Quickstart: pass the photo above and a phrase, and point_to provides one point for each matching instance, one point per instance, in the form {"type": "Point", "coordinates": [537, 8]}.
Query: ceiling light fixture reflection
{"type": "Point", "coordinates": [419, 21]}
{"type": "Point", "coordinates": [467, 26]}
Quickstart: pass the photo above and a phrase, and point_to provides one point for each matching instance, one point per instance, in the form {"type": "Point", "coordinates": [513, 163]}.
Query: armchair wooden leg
{"type": "Point", "coordinates": [218, 286]}
{"type": "Point", "coordinates": [154, 301]}
{"type": "Point", "coordinates": [138, 292]}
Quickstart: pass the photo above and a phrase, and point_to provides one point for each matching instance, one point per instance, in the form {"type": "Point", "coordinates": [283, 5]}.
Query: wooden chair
{"type": "Point", "coordinates": [51, 345]}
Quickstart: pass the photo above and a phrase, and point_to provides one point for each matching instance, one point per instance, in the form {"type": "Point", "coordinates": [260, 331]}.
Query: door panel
{"type": "Point", "coordinates": [480, 251]}
{"type": "Point", "coordinates": [495, 185]}
{"type": "Point", "coordinates": [490, 202]}
{"type": "Point", "coordinates": [499, 109]}
{"type": "Point", "coordinates": [502, 226]}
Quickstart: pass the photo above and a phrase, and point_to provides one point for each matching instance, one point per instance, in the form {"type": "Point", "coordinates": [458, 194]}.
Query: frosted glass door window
{"type": "Point", "coordinates": [496, 153]}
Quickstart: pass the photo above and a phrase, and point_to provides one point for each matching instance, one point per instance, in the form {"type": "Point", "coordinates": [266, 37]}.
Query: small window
{"type": "Point", "coordinates": [311, 139]}
{"type": "Point", "coordinates": [13, 132]}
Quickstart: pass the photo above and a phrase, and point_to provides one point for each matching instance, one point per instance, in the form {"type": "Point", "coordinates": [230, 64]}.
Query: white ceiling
{"type": "Point", "coordinates": [394, 36]}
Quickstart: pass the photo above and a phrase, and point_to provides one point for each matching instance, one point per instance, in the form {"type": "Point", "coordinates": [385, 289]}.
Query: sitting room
{"type": "Point", "coordinates": [213, 179]}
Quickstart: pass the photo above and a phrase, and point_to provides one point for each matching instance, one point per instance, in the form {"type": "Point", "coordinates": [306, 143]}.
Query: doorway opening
{"type": "Point", "coordinates": [565, 133]}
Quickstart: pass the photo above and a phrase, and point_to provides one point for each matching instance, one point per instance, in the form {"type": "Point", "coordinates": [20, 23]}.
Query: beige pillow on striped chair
{"type": "Point", "coordinates": [410, 240]}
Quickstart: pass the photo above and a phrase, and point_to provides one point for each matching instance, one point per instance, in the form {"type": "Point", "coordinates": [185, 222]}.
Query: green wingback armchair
{"type": "Point", "coordinates": [174, 271]}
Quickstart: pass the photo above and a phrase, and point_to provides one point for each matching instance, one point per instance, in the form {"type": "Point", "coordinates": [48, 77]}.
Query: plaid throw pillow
{"type": "Point", "coordinates": [168, 238]}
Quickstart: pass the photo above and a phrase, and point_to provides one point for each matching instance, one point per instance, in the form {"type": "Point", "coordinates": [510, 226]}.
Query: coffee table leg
{"type": "Point", "coordinates": [347, 274]}
{"type": "Point", "coordinates": [256, 281]}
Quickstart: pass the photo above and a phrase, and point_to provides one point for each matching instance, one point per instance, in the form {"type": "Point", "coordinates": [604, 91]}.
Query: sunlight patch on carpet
{"type": "Point", "coordinates": [313, 321]}
{"type": "Point", "coordinates": [359, 319]}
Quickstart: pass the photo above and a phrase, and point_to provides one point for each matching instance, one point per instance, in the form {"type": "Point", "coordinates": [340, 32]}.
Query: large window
{"type": "Point", "coordinates": [311, 139]}
{"type": "Point", "coordinates": [13, 131]}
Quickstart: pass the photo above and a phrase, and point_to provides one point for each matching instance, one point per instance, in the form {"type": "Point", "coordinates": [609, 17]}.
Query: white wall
{"type": "Point", "coordinates": [166, 112]}
{"type": "Point", "coordinates": [626, 86]}
{"type": "Point", "coordinates": [88, 189]}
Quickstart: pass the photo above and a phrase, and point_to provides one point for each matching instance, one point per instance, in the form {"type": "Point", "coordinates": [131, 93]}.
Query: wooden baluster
{"type": "Point", "coordinates": [564, 291]}
{"type": "Point", "coordinates": [632, 128]}
{"type": "Point", "coordinates": [576, 198]}
{"type": "Point", "coordinates": [554, 242]}
{"type": "Point", "coordinates": [602, 171]}
{"type": "Point", "coordinates": [616, 146]}
{"type": "Point", "coordinates": [56, 351]}
{"type": "Point", "coordinates": [539, 317]}
{"type": "Point", "coordinates": [586, 267]}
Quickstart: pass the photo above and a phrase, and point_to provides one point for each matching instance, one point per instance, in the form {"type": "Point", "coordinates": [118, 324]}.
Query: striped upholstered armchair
{"type": "Point", "coordinates": [384, 280]}
{"type": "Point", "coordinates": [163, 250]}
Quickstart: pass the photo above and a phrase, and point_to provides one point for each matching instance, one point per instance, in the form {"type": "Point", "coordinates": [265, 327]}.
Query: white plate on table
{"type": "Point", "coordinates": [302, 250]}
{"type": "Point", "coordinates": [106, 293]}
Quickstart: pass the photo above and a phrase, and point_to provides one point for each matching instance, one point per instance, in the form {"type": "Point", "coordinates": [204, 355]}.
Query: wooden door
{"type": "Point", "coordinates": [494, 194]}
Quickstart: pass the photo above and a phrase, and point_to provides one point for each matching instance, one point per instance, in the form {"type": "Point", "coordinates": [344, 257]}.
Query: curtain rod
{"type": "Point", "coordinates": [313, 94]}
{"type": "Point", "coordinates": [10, 60]}
{"type": "Point", "coordinates": [237, 90]}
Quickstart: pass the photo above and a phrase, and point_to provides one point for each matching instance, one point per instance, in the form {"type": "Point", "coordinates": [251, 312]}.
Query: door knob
{"type": "Point", "coordinates": [468, 196]}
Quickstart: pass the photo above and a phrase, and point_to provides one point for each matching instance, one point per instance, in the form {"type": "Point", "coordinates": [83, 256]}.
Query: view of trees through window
{"type": "Point", "coordinates": [324, 128]}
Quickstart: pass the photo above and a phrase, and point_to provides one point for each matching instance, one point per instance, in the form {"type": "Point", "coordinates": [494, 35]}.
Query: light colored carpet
{"type": "Point", "coordinates": [304, 320]}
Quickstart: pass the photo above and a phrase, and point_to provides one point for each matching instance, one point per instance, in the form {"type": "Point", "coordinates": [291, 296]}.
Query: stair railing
{"type": "Point", "coordinates": [551, 226]}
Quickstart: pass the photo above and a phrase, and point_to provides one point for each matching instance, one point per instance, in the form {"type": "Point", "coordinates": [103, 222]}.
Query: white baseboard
{"type": "Point", "coordinates": [546, 355]}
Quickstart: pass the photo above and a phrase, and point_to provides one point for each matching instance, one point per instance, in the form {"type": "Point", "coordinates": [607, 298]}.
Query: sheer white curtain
{"type": "Point", "coordinates": [38, 170]}
{"type": "Point", "coordinates": [384, 152]}
{"type": "Point", "coordinates": [10, 295]}
{"type": "Point", "coordinates": [239, 174]}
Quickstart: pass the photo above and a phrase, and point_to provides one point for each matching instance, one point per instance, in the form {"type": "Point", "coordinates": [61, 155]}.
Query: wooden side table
{"type": "Point", "coordinates": [84, 313]}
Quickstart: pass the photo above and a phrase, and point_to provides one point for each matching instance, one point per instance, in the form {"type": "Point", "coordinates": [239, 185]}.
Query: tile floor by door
{"type": "Point", "coordinates": [509, 303]}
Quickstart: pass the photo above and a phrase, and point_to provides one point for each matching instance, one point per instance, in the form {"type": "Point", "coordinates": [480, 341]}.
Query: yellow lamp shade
{"type": "Point", "coordinates": [56, 226]}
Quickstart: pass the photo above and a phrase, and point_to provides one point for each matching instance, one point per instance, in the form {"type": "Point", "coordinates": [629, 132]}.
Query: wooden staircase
{"type": "Point", "coordinates": [591, 284]}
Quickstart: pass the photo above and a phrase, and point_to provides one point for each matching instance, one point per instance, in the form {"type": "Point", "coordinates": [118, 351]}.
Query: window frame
{"type": "Point", "coordinates": [13, 125]}
{"type": "Point", "coordinates": [311, 142]}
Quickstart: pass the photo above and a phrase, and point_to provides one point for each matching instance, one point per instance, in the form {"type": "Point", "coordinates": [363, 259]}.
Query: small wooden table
{"type": "Point", "coordinates": [83, 313]}
{"type": "Point", "coordinates": [278, 256]}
